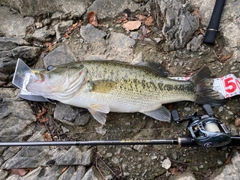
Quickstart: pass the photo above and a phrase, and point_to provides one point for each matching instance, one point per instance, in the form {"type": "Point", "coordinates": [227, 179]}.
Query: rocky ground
{"type": "Point", "coordinates": [171, 32]}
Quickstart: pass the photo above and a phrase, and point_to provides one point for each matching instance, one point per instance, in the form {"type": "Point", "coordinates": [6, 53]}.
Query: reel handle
{"type": "Point", "coordinates": [208, 109]}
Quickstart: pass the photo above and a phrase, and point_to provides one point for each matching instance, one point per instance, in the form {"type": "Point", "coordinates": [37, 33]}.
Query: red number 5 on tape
{"type": "Point", "coordinates": [231, 85]}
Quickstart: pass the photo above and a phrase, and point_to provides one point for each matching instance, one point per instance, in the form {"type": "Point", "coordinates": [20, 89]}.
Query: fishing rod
{"type": "Point", "coordinates": [213, 25]}
{"type": "Point", "coordinates": [205, 131]}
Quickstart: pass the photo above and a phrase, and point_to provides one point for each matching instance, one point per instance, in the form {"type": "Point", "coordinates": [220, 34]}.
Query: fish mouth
{"type": "Point", "coordinates": [35, 82]}
{"type": "Point", "coordinates": [60, 87]}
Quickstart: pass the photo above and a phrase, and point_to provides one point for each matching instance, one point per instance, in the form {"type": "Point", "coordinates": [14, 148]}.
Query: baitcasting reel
{"type": "Point", "coordinates": [206, 130]}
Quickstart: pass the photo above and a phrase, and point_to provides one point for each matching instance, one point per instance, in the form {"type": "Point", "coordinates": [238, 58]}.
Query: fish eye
{"type": "Point", "coordinates": [50, 67]}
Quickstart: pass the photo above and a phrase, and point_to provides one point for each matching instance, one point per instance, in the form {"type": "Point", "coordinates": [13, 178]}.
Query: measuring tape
{"type": "Point", "coordinates": [228, 85]}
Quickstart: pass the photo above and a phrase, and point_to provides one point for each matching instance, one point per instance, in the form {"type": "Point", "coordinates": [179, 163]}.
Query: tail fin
{"type": "Point", "coordinates": [204, 88]}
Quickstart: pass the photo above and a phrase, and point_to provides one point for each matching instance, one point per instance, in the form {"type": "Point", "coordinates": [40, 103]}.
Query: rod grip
{"type": "Point", "coordinates": [213, 25]}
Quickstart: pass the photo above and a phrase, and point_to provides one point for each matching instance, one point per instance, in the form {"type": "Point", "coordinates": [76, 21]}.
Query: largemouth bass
{"type": "Point", "coordinates": [104, 86]}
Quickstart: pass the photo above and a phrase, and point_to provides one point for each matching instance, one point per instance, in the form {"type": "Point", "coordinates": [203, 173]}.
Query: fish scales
{"type": "Point", "coordinates": [104, 86]}
{"type": "Point", "coordinates": [139, 87]}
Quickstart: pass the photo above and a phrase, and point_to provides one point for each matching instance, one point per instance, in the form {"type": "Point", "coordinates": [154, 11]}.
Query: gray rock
{"type": "Point", "coordinates": [29, 156]}
{"type": "Point", "coordinates": [3, 174]}
{"type": "Point", "coordinates": [179, 23]}
{"type": "Point", "coordinates": [195, 43]}
{"type": "Point", "coordinates": [26, 52]}
{"type": "Point", "coordinates": [16, 116]}
{"type": "Point", "coordinates": [92, 174]}
{"type": "Point", "coordinates": [61, 55]}
{"type": "Point", "coordinates": [183, 176]}
{"type": "Point", "coordinates": [43, 34]}
{"type": "Point", "coordinates": [68, 173]}
{"type": "Point", "coordinates": [120, 47]}
{"type": "Point", "coordinates": [48, 173]}
{"type": "Point", "coordinates": [79, 173]}
{"type": "Point", "coordinates": [74, 8]}
{"type": "Point", "coordinates": [62, 27]}
{"type": "Point", "coordinates": [92, 34]}
{"type": "Point", "coordinates": [135, 35]}
{"type": "Point", "coordinates": [8, 58]}
{"type": "Point", "coordinates": [111, 8]}
{"type": "Point", "coordinates": [13, 24]}
{"type": "Point", "coordinates": [119, 40]}
{"type": "Point", "coordinates": [231, 170]}
{"type": "Point", "coordinates": [70, 115]}
{"type": "Point", "coordinates": [13, 177]}
{"type": "Point", "coordinates": [7, 66]}
{"type": "Point", "coordinates": [8, 43]}
{"type": "Point", "coordinates": [87, 157]}
{"type": "Point", "coordinates": [74, 157]}
{"type": "Point", "coordinates": [10, 152]}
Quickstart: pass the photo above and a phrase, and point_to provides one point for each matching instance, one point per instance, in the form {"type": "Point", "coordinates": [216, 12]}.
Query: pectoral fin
{"type": "Point", "coordinates": [161, 114]}
{"type": "Point", "coordinates": [99, 112]}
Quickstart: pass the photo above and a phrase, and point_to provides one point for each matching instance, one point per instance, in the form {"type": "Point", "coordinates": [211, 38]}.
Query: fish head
{"type": "Point", "coordinates": [59, 82]}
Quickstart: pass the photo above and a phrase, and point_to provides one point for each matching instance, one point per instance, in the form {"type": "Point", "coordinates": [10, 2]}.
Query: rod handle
{"type": "Point", "coordinates": [213, 25]}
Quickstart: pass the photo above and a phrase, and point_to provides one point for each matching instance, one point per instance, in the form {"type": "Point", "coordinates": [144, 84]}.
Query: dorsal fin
{"type": "Point", "coordinates": [154, 67]}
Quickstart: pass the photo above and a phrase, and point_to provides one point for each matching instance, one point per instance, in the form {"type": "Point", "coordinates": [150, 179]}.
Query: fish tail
{"type": "Point", "coordinates": [203, 83]}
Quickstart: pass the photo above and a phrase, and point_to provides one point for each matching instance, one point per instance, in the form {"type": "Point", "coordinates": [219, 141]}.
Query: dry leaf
{"type": "Point", "coordinates": [229, 159]}
{"type": "Point", "coordinates": [49, 46]}
{"type": "Point", "coordinates": [92, 18]}
{"type": "Point", "coordinates": [224, 58]}
{"type": "Point", "coordinates": [66, 35]}
{"type": "Point", "coordinates": [141, 17]}
{"type": "Point", "coordinates": [20, 172]}
{"type": "Point", "coordinates": [131, 25]}
{"type": "Point", "coordinates": [148, 21]}
{"type": "Point", "coordinates": [197, 14]}
{"type": "Point", "coordinates": [44, 119]}
{"type": "Point", "coordinates": [47, 136]}
{"type": "Point", "coordinates": [41, 113]}
{"type": "Point", "coordinates": [174, 171]}
{"type": "Point", "coordinates": [64, 169]}
{"type": "Point", "coordinates": [75, 25]}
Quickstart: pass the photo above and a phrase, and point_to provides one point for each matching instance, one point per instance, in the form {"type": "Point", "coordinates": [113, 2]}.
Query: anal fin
{"type": "Point", "coordinates": [99, 112]}
{"type": "Point", "coordinates": [161, 114]}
